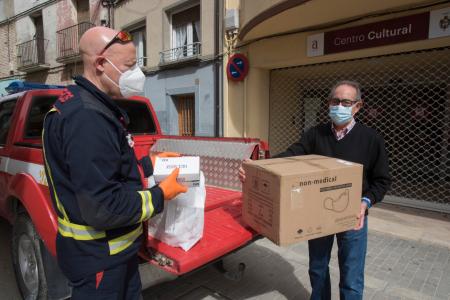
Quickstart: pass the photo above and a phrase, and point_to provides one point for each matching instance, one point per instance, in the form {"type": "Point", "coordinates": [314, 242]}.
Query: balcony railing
{"type": "Point", "coordinates": [68, 40]}
{"type": "Point", "coordinates": [31, 55]}
{"type": "Point", "coordinates": [186, 52]}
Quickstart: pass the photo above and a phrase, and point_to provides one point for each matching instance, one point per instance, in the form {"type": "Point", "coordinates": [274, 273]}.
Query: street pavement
{"type": "Point", "coordinates": [399, 265]}
{"type": "Point", "coordinates": [395, 269]}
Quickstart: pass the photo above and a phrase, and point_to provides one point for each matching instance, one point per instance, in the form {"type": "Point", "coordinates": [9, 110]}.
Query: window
{"type": "Point", "coordinates": [6, 111]}
{"type": "Point", "coordinates": [141, 120]}
{"type": "Point", "coordinates": [35, 120]}
{"type": "Point", "coordinates": [186, 36]}
{"type": "Point", "coordinates": [186, 114]}
{"type": "Point", "coordinates": [139, 40]}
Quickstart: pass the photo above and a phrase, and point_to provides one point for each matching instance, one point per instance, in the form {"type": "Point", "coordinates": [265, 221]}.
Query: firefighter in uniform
{"type": "Point", "coordinates": [94, 177]}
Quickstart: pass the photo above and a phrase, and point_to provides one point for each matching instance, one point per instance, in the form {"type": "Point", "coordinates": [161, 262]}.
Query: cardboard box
{"type": "Point", "coordinates": [189, 169]}
{"type": "Point", "coordinates": [300, 198]}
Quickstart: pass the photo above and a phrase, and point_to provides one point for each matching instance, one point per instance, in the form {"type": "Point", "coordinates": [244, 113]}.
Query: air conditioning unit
{"type": "Point", "coordinates": [104, 17]}
{"type": "Point", "coordinates": [231, 19]}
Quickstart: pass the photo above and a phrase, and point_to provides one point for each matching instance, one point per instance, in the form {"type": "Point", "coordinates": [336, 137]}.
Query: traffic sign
{"type": "Point", "coordinates": [237, 67]}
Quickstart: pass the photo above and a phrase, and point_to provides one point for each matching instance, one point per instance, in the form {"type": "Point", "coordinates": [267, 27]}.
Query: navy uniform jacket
{"type": "Point", "coordinates": [94, 182]}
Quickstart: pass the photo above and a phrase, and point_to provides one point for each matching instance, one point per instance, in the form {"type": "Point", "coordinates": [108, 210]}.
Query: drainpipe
{"type": "Point", "coordinates": [110, 5]}
{"type": "Point", "coordinates": [218, 84]}
{"type": "Point", "coordinates": [11, 71]}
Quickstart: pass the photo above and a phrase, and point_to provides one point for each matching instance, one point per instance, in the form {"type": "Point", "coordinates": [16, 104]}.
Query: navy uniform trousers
{"type": "Point", "coordinates": [121, 282]}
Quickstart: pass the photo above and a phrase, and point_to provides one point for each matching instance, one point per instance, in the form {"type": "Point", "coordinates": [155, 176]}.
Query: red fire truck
{"type": "Point", "coordinates": [25, 201]}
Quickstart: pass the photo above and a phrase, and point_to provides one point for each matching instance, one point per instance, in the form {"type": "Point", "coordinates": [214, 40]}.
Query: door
{"type": "Point", "coordinates": [6, 115]}
{"type": "Point", "coordinates": [83, 11]}
{"type": "Point", "coordinates": [39, 40]}
{"type": "Point", "coordinates": [186, 116]}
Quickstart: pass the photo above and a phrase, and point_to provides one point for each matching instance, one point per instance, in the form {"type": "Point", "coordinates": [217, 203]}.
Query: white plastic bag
{"type": "Point", "coordinates": [181, 222]}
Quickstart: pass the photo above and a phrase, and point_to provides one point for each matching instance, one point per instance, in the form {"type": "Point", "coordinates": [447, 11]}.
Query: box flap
{"type": "Point", "coordinates": [300, 164]}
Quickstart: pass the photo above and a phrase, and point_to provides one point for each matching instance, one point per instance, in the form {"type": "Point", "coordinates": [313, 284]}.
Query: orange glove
{"type": "Point", "coordinates": [163, 154]}
{"type": "Point", "coordinates": [170, 187]}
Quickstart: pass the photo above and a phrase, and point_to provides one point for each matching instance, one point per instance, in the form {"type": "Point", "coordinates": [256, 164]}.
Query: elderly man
{"type": "Point", "coordinates": [93, 174]}
{"type": "Point", "coordinates": [345, 139]}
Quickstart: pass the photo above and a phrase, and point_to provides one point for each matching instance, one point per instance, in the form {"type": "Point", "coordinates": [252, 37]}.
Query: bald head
{"type": "Point", "coordinates": [95, 39]}
{"type": "Point", "coordinates": [98, 65]}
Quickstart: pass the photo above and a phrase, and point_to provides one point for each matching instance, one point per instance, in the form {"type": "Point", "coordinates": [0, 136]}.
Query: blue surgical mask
{"type": "Point", "coordinates": [340, 114]}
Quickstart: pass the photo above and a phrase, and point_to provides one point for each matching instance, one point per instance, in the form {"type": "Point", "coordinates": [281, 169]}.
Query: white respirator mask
{"type": "Point", "coordinates": [131, 82]}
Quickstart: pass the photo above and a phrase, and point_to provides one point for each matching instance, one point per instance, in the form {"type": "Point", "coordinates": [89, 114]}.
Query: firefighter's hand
{"type": "Point", "coordinates": [163, 154]}
{"type": "Point", "coordinates": [242, 172]}
{"type": "Point", "coordinates": [170, 187]}
{"type": "Point", "coordinates": [362, 215]}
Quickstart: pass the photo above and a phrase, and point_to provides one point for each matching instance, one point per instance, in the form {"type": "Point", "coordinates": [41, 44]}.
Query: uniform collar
{"type": "Point", "coordinates": [104, 98]}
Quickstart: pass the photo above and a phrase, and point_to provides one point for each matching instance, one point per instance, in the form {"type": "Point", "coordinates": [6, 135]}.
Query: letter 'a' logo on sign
{"type": "Point", "coordinates": [315, 45]}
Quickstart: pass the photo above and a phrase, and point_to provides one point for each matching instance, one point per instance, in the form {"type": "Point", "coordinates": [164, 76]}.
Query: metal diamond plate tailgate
{"type": "Point", "coordinates": [219, 158]}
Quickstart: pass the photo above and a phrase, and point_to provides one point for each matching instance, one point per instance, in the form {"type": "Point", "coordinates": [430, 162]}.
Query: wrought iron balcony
{"type": "Point", "coordinates": [179, 54]}
{"type": "Point", "coordinates": [68, 42]}
{"type": "Point", "coordinates": [31, 55]}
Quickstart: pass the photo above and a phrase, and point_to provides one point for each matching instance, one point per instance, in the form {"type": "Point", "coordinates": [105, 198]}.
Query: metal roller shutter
{"type": "Point", "coordinates": [406, 99]}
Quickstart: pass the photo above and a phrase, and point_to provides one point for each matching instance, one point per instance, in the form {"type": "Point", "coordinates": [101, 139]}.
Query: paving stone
{"type": "Point", "coordinates": [397, 269]}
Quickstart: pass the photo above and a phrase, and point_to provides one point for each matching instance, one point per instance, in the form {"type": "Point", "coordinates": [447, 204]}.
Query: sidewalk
{"type": "Point", "coordinates": [408, 258]}
{"type": "Point", "coordinates": [413, 224]}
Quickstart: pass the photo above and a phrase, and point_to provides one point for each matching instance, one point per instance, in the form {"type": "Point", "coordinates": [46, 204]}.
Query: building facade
{"type": "Point", "coordinates": [43, 38]}
{"type": "Point", "coordinates": [178, 44]}
{"type": "Point", "coordinates": [399, 52]}
{"type": "Point", "coordinates": [7, 46]}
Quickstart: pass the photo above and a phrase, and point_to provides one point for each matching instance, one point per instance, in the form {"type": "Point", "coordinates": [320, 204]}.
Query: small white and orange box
{"type": "Point", "coordinates": [189, 169]}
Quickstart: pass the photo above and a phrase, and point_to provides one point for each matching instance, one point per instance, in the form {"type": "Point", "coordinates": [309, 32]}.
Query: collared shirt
{"type": "Point", "coordinates": [339, 135]}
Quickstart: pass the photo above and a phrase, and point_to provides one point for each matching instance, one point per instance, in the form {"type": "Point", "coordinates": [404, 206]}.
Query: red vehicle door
{"type": "Point", "coordinates": [7, 115]}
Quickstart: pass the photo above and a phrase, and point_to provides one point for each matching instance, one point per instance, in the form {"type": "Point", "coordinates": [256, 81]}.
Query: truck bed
{"type": "Point", "coordinates": [224, 232]}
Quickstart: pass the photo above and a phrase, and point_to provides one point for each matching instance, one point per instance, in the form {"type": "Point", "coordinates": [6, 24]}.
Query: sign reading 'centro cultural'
{"type": "Point", "coordinates": [405, 29]}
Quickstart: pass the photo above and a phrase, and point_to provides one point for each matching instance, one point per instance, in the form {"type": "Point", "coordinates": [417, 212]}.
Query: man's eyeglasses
{"type": "Point", "coordinates": [121, 36]}
{"type": "Point", "coordinates": [345, 102]}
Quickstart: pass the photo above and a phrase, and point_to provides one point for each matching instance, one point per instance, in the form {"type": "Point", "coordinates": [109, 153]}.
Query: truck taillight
{"type": "Point", "coordinates": [263, 150]}
{"type": "Point", "coordinates": [261, 154]}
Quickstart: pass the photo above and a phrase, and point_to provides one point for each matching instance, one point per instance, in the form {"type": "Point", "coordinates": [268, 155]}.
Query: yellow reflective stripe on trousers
{"type": "Point", "coordinates": [147, 205]}
{"type": "Point", "coordinates": [58, 203]}
{"type": "Point", "coordinates": [79, 232]}
{"type": "Point", "coordinates": [121, 243]}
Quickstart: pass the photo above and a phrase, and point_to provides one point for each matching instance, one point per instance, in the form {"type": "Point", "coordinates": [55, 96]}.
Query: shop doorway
{"type": "Point", "coordinates": [406, 99]}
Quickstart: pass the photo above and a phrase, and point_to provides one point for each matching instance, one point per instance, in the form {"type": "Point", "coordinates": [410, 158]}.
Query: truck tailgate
{"type": "Point", "coordinates": [223, 233]}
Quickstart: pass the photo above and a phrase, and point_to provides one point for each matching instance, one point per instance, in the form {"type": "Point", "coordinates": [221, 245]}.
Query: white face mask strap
{"type": "Point", "coordinates": [112, 81]}
{"type": "Point", "coordinates": [114, 66]}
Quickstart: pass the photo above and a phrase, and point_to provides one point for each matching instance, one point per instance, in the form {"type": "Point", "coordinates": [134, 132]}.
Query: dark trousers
{"type": "Point", "coordinates": [121, 282]}
{"type": "Point", "coordinates": [352, 248]}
